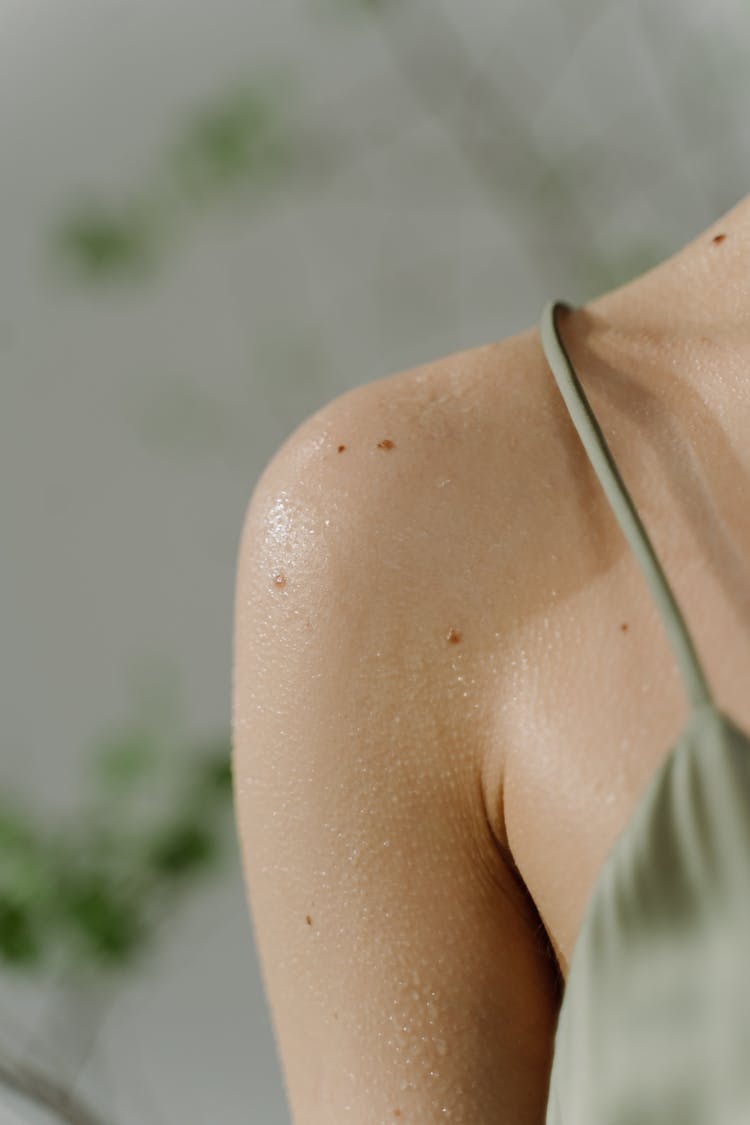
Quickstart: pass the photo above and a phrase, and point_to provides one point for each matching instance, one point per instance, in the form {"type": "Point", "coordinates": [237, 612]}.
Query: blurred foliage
{"type": "Point", "coordinates": [100, 241]}
{"type": "Point", "coordinates": [237, 146]}
{"type": "Point", "coordinates": [125, 757]}
{"type": "Point", "coordinates": [238, 141]}
{"type": "Point", "coordinates": [94, 886]}
{"type": "Point", "coordinates": [85, 895]}
{"type": "Point", "coordinates": [181, 848]}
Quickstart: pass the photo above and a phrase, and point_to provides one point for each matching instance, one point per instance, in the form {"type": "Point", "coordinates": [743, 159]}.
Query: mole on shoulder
{"type": "Point", "coordinates": [718, 238]}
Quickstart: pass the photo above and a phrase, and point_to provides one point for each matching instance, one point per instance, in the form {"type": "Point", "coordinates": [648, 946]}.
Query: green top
{"type": "Point", "coordinates": [654, 1026]}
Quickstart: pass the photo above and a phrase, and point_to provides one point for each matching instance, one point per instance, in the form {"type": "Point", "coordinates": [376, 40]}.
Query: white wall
{"type": "Point", "coordinates": [135, 419]}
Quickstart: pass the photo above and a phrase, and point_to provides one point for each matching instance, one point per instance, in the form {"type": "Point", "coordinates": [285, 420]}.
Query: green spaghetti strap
{"type": "Point", "coordinates": [696, 684]}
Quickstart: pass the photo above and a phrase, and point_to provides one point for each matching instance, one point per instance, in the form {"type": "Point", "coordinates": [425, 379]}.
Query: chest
{"type": "Point", "coordinates": [599, 708]}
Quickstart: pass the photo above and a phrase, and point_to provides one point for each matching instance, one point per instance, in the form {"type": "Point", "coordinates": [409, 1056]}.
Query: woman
{"type": "Point", "coordinates": [452, 686]}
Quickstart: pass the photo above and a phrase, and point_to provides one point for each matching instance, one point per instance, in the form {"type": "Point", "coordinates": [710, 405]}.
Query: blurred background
{"type": "Point", "coordinates": [215, 218]}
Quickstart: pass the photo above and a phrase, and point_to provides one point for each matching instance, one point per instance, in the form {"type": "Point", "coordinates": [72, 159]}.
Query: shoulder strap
{"type": "Point", "coordinates": [696, 684]}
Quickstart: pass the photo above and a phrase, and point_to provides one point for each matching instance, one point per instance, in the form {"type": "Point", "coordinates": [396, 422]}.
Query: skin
{"type": "Point", "coordinates": [689, 315]}
{"type": "Point", "coordinates": [665, 363]}
{"type": "Point", "coordinates": [367, 637]}
{"type": "Point", "coordinates": [450, 685]}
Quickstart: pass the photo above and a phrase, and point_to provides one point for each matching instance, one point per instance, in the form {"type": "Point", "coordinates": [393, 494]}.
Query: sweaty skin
{"type": "Point", "coordinates": [418, 563]}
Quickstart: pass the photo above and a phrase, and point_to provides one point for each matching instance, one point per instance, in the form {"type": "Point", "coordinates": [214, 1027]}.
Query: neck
{"type": "Point", "coordinates": [665, 361]}
{"type": "Point", "coordinates": [702, 290]}
{"type": "Point", "coordinates": [689, 315]}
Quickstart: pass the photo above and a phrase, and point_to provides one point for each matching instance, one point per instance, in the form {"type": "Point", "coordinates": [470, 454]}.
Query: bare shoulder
{"type": "Point", "coordinates": [426, 501]}
{"type": "Point", "coordinates": [378, 568]}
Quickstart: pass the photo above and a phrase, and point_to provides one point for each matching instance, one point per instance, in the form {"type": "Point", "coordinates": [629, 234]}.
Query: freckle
{"type": "Point", "coordinates": [454, 637]}
{"type": "Point", "coordinates": [386, 443]}
{"type": "Point", "coordinates": [719, 237]}
{"type": "Point", "coordinates": [279, 580]}
{"type": "Point", "coordinates": [624, 626]}
{"type": "Point", "coordinates": [397, 1113]}
{"type": "Point", "coordinates": [341, 449]}
{"type": "Point", "coordinates": [308, 919]}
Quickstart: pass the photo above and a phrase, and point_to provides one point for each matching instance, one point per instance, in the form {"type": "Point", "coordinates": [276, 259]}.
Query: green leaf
{"type": "Point", "coordinates": [127, 756]}
{"type": "Point", "coordinates": [102, 242]}
{"type": "Point", "coordinates": [181, 848]}
{"type": "Point", "coordinates": [28, 875]}
{"type": "Point", "coordinates": [213, 769]}
{"type": "Point", "coordinates": [236, 141]}
{"type": "Point", "coordinates": [103, 915]}
{"type": "Point", "coordinates": [218, 774]}
{"type": "Point", "coordinates": [26, 864]}
{"type": "Point", "coordinates": [16, 829]}
{"type": "Point", "coordinates": [19, 942]}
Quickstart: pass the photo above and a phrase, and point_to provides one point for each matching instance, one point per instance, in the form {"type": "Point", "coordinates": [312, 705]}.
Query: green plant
{"type": "Point", "coordinates": [91, 892]}
{"type": "Point", "coordinates": [237, 144]}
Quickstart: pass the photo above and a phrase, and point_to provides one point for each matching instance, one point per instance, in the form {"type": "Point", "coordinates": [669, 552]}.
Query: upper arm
{"type": "Point", "coordinates": [397, 950]}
